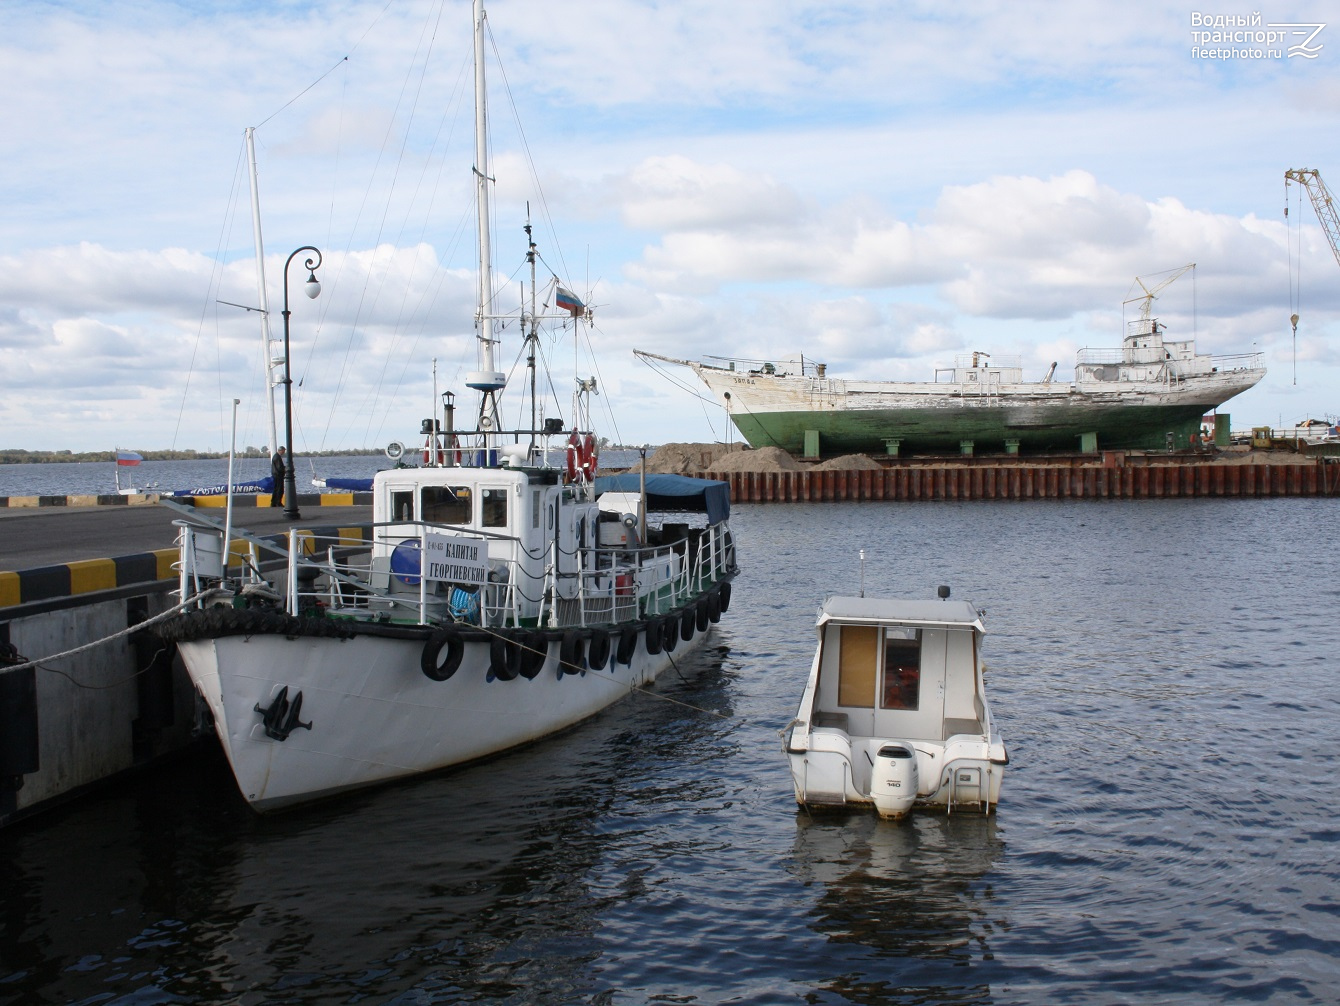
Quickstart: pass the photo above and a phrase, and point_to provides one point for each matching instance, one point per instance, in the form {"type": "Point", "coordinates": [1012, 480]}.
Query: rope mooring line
{"type": "Point", "coordinates": [129, 630]}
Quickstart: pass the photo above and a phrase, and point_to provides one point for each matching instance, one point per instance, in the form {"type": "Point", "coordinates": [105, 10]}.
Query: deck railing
{"type": "Point", "coordinates": [323, 576]}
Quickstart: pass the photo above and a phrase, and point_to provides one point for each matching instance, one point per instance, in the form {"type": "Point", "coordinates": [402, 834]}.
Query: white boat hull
{"type": "Point", "coordinates": [894, 714]}
{"type": "Point", "coordinates": [962, 773]}
{"type": "Point", "coordinates": [375, 716]}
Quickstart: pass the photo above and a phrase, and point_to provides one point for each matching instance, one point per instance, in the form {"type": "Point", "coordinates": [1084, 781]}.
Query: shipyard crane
{"type": "Point", "coordinates": [1320, 195]}
{"type": "Point", "coordinates": [1310, 179]}
{"type": "Point", "coordinates": [1150, 292]}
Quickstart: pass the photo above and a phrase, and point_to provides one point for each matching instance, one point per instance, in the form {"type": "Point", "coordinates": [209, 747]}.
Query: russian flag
{"type": "Point", "coordinates": [127, 458]}
{"type": "Point", "coordinates": [566, 300]}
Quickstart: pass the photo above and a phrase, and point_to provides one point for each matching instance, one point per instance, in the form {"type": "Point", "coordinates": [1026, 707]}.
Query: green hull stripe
{"type": "Point", "coordinates": [935, 429]}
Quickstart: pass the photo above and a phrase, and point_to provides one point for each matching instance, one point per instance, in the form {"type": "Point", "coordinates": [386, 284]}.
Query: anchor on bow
{"type": "Point", "coordinates": [281, 718]}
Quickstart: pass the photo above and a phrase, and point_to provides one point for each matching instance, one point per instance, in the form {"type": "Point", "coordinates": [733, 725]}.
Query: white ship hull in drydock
{"type": "Point", "coordinates": [1150, 394]}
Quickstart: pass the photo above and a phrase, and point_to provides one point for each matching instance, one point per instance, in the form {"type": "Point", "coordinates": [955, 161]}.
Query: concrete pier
{"type": "Point", "coordinates": [74, 574]}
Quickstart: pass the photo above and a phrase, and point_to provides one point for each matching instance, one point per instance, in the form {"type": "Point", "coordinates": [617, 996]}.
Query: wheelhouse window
{"type": "Point", "coordinates": [445, 504]}
{"type": "Point", "coordinates": [402, 504]}
{"type": "Point", "coordinates": [902, 669]}
{"type": "Point", "coordinates": [493, 507]}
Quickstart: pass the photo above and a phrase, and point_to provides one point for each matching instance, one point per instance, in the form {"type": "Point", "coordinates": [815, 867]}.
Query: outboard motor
{"type": "Point", "coordinates": [894, 780]}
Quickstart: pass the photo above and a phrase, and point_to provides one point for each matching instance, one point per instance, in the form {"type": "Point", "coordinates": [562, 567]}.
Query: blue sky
{"type": "Point", "coordinates": [880, 186]}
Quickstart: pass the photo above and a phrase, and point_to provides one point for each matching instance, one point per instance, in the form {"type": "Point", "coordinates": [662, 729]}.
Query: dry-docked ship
{"type": "Point", "coordinates": [1151, 393]}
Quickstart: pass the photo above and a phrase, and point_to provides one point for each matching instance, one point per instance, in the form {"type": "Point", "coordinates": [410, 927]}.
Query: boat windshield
{"type": "Point", "coordinates": [445, 504]}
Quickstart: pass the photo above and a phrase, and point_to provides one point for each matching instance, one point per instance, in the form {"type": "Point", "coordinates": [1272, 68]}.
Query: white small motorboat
{"type": "Point", "coordinates": [894, 713]}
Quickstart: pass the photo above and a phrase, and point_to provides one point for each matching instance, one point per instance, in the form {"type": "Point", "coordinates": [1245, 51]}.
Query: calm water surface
{"type": "Point", "coordinates": [1163, 672]}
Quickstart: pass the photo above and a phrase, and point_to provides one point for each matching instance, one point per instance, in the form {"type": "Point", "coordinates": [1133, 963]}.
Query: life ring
{"type": "Point", "coordinates": [454, 451]}
{"type": "Point", "coordinates": [504, 658]}
{"type": "Point", "coordinates": [534, 652]}
{"type": "Point", "coordinates": [437, 664]}
{"type": "Point", "coordinates": [714, 606]}
{"type": "Point", "coordinates": [688, 621]}
{"type": "Point", "coordinates": [669, 634]}
{"type": "Point", "coordinates": [574, 459]}
{"type": "Point", "coordinates": [653, 634]}
{"type": "Point", "coordinates": [572, 653]}
{"type": "Point", "coordinates": [598, 653]}
{"type": "Point", "coordinates": [627, 646]}
{"type": "Point", "coordinates": [588, 457]}
{"type": "Point", "coordinates": [725, 597]}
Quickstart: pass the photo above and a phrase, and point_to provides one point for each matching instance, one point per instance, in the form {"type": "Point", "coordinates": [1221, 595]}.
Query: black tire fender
{"type": "Point", "coordinates": [534, 652]}
{"type": "Point", "coordinates": [687, 621]}
{"type": "Point", "coordinates": [653, 631]}
{"type": "Point", "coordinates": [627, 646]}
{"type": "Point", "coordinates": [598, 653]}
{"type": "Point", "coordinates": [442, 654]}
{"type": "Point", "coordinates": [701, 617]}
{"type": "Point", "coordinates": [504, 658]}
{"type": "Point", "coordinates": [572, 653]}
{"type": "Point", "coordinates": [669, 633]}
{"type": "Point", "coordinates": [714, 606]}
{"type": "Point", "coordinates": [725, 597]}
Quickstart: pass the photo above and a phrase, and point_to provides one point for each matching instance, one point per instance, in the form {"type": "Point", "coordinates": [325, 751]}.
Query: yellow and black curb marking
{"type": "Point", "coordinates": [87, 576]}
{"type": "Point", "coordinates": [138, 499]}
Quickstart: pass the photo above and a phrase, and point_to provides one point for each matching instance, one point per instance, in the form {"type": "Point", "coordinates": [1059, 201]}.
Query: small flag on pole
{"type": "Point", "coordinates": [566, 300]}
{"type": "Point", "coordinates": [127, 458]}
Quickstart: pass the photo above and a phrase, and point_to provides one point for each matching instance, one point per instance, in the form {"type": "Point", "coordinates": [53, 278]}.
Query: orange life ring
{"type": "Point", "coordinates": [588, 457]}
{"type": "Point", "coordinates": [428, 453]}
{"type": "Point", "coordinates": [455, 451]}
{"type": "Point", "coordinates": [574, 451]}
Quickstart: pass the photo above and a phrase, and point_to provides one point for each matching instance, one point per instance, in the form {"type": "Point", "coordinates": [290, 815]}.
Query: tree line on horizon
{"type": "Point", "coordinates": [19, 456]}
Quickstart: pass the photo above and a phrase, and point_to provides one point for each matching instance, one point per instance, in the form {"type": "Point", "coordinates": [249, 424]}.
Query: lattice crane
{"type": "Point", "coordinates": [1146, 299]}
{"type": "Point", "coordinates": [1310, 179]}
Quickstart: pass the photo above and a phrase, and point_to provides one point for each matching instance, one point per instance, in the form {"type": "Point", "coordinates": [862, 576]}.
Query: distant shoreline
{"type": "Point", "coordinates": [22, 457]}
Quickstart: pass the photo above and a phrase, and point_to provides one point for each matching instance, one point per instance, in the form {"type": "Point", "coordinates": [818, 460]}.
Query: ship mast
{"type": "Point", "coordinates": [268, 349]}
{"type": "Point", "coordinates": [487, 380]}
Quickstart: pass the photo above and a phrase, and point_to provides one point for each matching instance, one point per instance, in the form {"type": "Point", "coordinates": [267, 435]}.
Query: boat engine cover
{"type": "Point", "coordinates": [894, 780]}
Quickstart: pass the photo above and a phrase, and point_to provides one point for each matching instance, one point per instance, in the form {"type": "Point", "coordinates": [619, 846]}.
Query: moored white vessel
{"type": "Point", "coordinates": [894, 713]}
{"type": "Point", "coordinates": [499, 599]}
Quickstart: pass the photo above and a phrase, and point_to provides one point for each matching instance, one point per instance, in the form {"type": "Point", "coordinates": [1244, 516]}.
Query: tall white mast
{"type": "Point", "coordinates": [268, 355]}
{"type": "Point", "coordinates": [487, 379]}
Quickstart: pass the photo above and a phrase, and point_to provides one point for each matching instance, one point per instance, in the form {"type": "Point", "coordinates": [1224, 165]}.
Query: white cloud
{"type": "Point", "coordinates": [879, 186]}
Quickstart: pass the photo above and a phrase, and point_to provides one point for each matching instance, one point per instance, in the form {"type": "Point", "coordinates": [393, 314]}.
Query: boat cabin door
{"type": "Point", "coordinates": [890, 681]}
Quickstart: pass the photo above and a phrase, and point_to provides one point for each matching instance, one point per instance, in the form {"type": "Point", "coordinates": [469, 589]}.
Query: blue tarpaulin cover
{"type": "Point", "coordinates": [674, 493]}
{"type": "Point", "coordinates": [353, 485]}
{"type": "Point", "coordinates": [264, 485]}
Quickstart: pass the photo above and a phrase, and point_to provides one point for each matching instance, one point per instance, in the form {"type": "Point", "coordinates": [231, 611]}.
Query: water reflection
{"type": "Point", "coordinates": [654, 854]}
{"type": "Point", "coordinates": [916, 892]}
{"type": "Point", "coordinates": [474, 883]}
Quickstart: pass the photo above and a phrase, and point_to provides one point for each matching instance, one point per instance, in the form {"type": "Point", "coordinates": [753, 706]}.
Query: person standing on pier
{"type": "Point", "coordinates": [277, 473]}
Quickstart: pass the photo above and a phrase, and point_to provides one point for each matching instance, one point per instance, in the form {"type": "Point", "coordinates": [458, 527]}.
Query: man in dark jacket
{"type": "Point", "coordinates": [277, 473]}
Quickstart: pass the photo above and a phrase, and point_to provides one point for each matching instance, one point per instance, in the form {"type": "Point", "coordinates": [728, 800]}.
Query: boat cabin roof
{"type": "Point", "coordinates": [895, 611]}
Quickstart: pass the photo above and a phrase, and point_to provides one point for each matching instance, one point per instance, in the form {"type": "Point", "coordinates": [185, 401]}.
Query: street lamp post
{"type": "Point", "coordinates": [313, 288]}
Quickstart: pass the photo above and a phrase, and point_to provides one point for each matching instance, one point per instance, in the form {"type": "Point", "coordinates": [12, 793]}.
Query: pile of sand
{"type": "Point", "coordinates": [765, 459]}
{"type": "Point", "coordinates": [850, 463]}
{"type": "Point", "coordinates": [685, 459]}
{"type": "Point", "coordinates": [1264, 457]}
